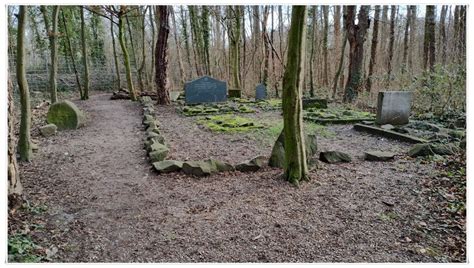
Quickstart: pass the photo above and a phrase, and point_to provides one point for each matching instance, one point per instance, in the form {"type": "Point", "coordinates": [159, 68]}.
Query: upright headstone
{"type": "Point", "coordinates": [393, 107]}
{"type": "Point", "coordinates": [260, 92]}
{"type": "Point", "coordinates": [205, 89]}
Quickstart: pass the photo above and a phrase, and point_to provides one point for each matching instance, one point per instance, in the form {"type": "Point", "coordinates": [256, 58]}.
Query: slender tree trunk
{"type": "Point", "coordinates": [152, 25]}
{"type": "Point", "coordinates": [134, 55]}
{"type": "Point", "coordinates": [266, 46]}
{"type": "Point", "coordinates": [184, 27]}
{"type": "Point", "coordinates": [205, 32]}
{"type": "Point", "coordinates": [356, 36]}
{"type": "Point", "coordinates": [275, 79]}
{"type": "Point", "coordinates": [442, 33]}
{"type": "Point", "coordinates": [117, 70]}
{"type": "Point", "coordinates": [325, 45]}
{"type": "Point", "coordinates": [337, 29]}
{"type": "Point", "coordinates": [78, 81]}
{"type": "Point", "coordinates": [24, 143]}
{"type": "Point", "coordinates": [161, 52]}
{"type": "Point", "coordinates": [311, 56]}
{"type": "Point", "coordinates": [142, 69]}
{"type": "Point", "coordinates": [373, 49]}
{"type": "Point", "coordinates": [413, 46]}
{"type": "Point", "coordinates": [126, 60]}
{"type": "Point", "coordinates": [383, 35]}
{"type": "Point", "coordinates": [391, 44]}
{"type": "Point", "coordinates": [178, 48]}
{"type": "Point", "coordinates": [296, 168]}
{"type": "Point", "coordinates": [15, 188]}
{"type": "Point", "coordinates": [84, 56]}
{"type": "Point", "coordinates": [405, 40]}
{"type": "Point", "coordinates": [53, 45]}
{"type": "Point", "coordinates": [234, 37]}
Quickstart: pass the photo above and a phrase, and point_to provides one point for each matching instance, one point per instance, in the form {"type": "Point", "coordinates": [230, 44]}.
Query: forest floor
{"type": "Point", "coordinates": [96, 198]}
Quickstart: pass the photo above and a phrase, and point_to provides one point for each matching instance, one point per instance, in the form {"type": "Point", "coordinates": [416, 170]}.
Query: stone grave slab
{"type": "Point", "coordinates": [260, 92]}
{"type": "Point", "coordinates": [204, 90]}
{"type": "Point", "coordinates": [393, 107]}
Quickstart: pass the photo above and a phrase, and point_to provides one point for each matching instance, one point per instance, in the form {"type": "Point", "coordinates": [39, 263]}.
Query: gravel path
{"type": "Point", "coordinates": [105, 204]}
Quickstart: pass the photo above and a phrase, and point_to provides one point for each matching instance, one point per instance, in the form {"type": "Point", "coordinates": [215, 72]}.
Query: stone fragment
{"type": "Point", "coordinates": [48, 130]}
{"type": "Point", "coordinates": [166, 166]}
{"type": "Point", "coordinates": [379, 156]}
{"type": "Point", "coordinates": [332, 157]}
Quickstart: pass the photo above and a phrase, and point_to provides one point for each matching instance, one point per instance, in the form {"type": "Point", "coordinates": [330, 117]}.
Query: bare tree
{"type": "Point", "coordinates": [161, 51]}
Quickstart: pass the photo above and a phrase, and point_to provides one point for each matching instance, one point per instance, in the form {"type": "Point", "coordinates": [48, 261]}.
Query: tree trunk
{"type": "Point", "coordinates": [152, 25]}
{"type": "Point", "coordinates": [339, 69]}
{"type": "Point", "coordinates": [53, 45]}
{"type": "Point", "coordinates": [14, 184]}
{"type": "Point", "coordinates": [184, 27]}
{"type": "Point", "coordinates": [161, 51]}
{"type": "Point", "coordinates": [234, 37]}
{"type": "Point", "coordinates": [412, 45]}
{"type": "Point", "coordinates": [117, 70]}
{"type": "Point", "coordinates": [134, 55]}
{"type": "Point", "coordinates": [142, 69]}
{"type": "Point", "coordinates": [373, 49]}
{"type": "Point", "coordinates": [311, 55]}
{"type": "Point", "coordinates": [85, 96]}
{"type": "Point", "coordinates": [296, 168]}
{"type": "Point", "coordinates": [383, 34]}
{"type": "Point", "coordinates": [178, 48]}
{"type": "Point", "coordinates": [405, 40]}
{"type": "Point", "coordinates": [391, 44]}
{"type": "Point", "coordinates": [126, 60]}
{"type": "Point", "coordinates": [429, 58]}
{"type": "Point", "coordinates": [24, 143]}
{"type": "Point", "coordinates": [266, 46]}
{"type": "Point", "coordinates": [205, 29]}
{"type": "Point", "coordinates": [442, 33]}
{"type": "Point", "coordinates": [325, 45]}
{"type": "Point", "coordinates": [356, 35]}
{"type": "Point", "coordinates": [78, 81]}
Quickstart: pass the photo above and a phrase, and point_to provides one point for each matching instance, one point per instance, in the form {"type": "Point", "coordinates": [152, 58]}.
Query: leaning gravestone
{"type": "Point", "coordinates": [393, 107]}
{"type": "Point", "coordinates": [205, 89]}
{"type": "Point", "coordinates": [260, 92]}
{"type": "Point", "coordinates": [65, 115]}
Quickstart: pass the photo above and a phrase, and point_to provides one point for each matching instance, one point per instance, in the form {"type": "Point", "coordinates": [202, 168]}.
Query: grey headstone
{"type": "Point", "coordinates": [260, 92]}
{"type": "Point", "coordinates": [205, 89]}
{"type": "Point", "coordinates": [393, 107]}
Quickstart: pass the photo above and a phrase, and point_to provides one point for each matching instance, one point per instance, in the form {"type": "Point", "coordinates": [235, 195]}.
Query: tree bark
{"type": "Point", "coordinates": [266, 46]}
{"type": "Point", "coordinates": [339, 69]}
{"type": "Point", "coordinates": [184, 27]}
{"type": "Point", "coordinates": [405, 40]}
{"type": "Point", "coordinates": [24, 143]}
{"type": "Point", "coordinates": [85, 96]}
{"type": "Point", "coordinates": [311, 55]}
{"type": "Point", "coordinates": [429, 57]}
{"type": "Point", "coordinates": [373, 49]}
{"type": "Point", "coordinates": [15, 188]}
{"type": "Point", "coordinates": [134, 55]}
{"type": "Point", "coordinates": [296, 168]}
{"type": "Point", "coordinates": [391, 44]}
{"type": "Point", "coordinates": [234, 38]}
{"type": "Point", "coordinates": [117, 70]}
{"type": "Point", "coordinates": [68, 39]}
{"type": "Point", "coordinates": [325, 45]}
{"type": "Point", "coordinates": [128, 71]}
{"type": "Point", "coordinates": [161, 51]}
{"type": "Point", "coordinates": [356, 36]}
{"type": "Point", "coordinates": [442, 33]}
{"type": "Point", "coordinates": [53, 45]}
{"type": "Point", "coordinates": [412, 45]}
{"type": "Point", "coordinates": [178, 48]}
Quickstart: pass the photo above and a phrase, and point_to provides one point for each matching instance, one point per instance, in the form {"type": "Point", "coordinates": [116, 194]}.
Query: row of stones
{"type": "Point", "coordinates": [158, 151]}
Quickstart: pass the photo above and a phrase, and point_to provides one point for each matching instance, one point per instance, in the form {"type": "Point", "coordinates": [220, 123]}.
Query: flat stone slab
{"type": "Point", "coordinates": [378, 156]}
{"type": "Point", "coordinates": [205, 89]}
{"type": "Point", "coordinates": [388, 134]}
{"type": "Point", "coordinates": [166, 166]}
{"type": "Point", "coordinates": [335, 121]}
{"type": "Point", "coordinates": [332, 157]}
{"type": "Point", "coordinates": [393, 107]}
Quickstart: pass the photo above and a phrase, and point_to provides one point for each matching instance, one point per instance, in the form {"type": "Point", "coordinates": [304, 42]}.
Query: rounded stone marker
{"type": "Point", "coordinates": [65, 115]}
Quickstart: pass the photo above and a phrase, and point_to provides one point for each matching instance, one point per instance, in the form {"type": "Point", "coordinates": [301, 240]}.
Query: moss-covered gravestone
{"type": "Point", "coordinates": [65, 115]}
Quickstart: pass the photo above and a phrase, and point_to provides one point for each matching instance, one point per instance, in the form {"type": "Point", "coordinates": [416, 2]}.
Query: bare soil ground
{"type": "Point", "coordinates": [106, 204]}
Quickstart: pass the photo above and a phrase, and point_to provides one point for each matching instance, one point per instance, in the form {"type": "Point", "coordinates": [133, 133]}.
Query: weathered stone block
{"type": "Point", "coordinates": [393, 107]}
{"type": "Point", "coordinates": [65, 115]}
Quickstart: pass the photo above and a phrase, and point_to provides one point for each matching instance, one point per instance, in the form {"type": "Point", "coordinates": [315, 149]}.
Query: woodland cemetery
{"type": "Point", "coordinates": [264, 133]}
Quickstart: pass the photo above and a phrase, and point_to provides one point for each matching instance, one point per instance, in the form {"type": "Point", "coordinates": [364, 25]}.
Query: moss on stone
{"type": "Point", "coordinates": [65, 115]}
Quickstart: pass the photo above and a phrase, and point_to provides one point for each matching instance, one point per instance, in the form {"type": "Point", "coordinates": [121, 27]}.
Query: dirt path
{"type": "Point", "coordinates": [105, 204]}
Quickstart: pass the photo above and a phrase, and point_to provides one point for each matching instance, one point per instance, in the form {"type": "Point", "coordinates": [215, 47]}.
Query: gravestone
{"type": "Point", "coordinates": [205, 89]}
{"type": "Point", "coordinates": [393, 107]}
{"type": "Point", "coordinates": [260, 92]}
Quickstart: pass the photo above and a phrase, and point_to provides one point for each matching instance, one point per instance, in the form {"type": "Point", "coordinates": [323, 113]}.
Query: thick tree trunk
{"type": "Point", "coordinates": [161, 51]}
{"type": "Point", "coordinates": [178, 49]}
{"type": "Point", "coordinates": [296, 168]}
{"type": "Point", "coordinates": [117, 70]}
{"type": "Point", "coordinates": [68, 39]}
{"type": "Point", "coordinates": [24, 143]}
{"type": "Point", "coordinates": [126, 59]}
{"type": "Point", "coordinates": [85, 96]}
{"type": "Point", "coordinates": [14, 184]}
{"type": "Point", "coordinates": [356, 36]}
{"type": "Point", "coordinates": [429, 57]}
{"type": "Point", "coordinates": [393, 10]}
{"type": "Point", "coordinates": [373, 49]}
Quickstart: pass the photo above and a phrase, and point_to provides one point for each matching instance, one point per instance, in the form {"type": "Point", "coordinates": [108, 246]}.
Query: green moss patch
{"type": "Point", "coordinates": [229, 123]}
{"type": "Point", "coordinates": [226, 108]}
{"type": "Point", "coordinates": [336, 116]}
